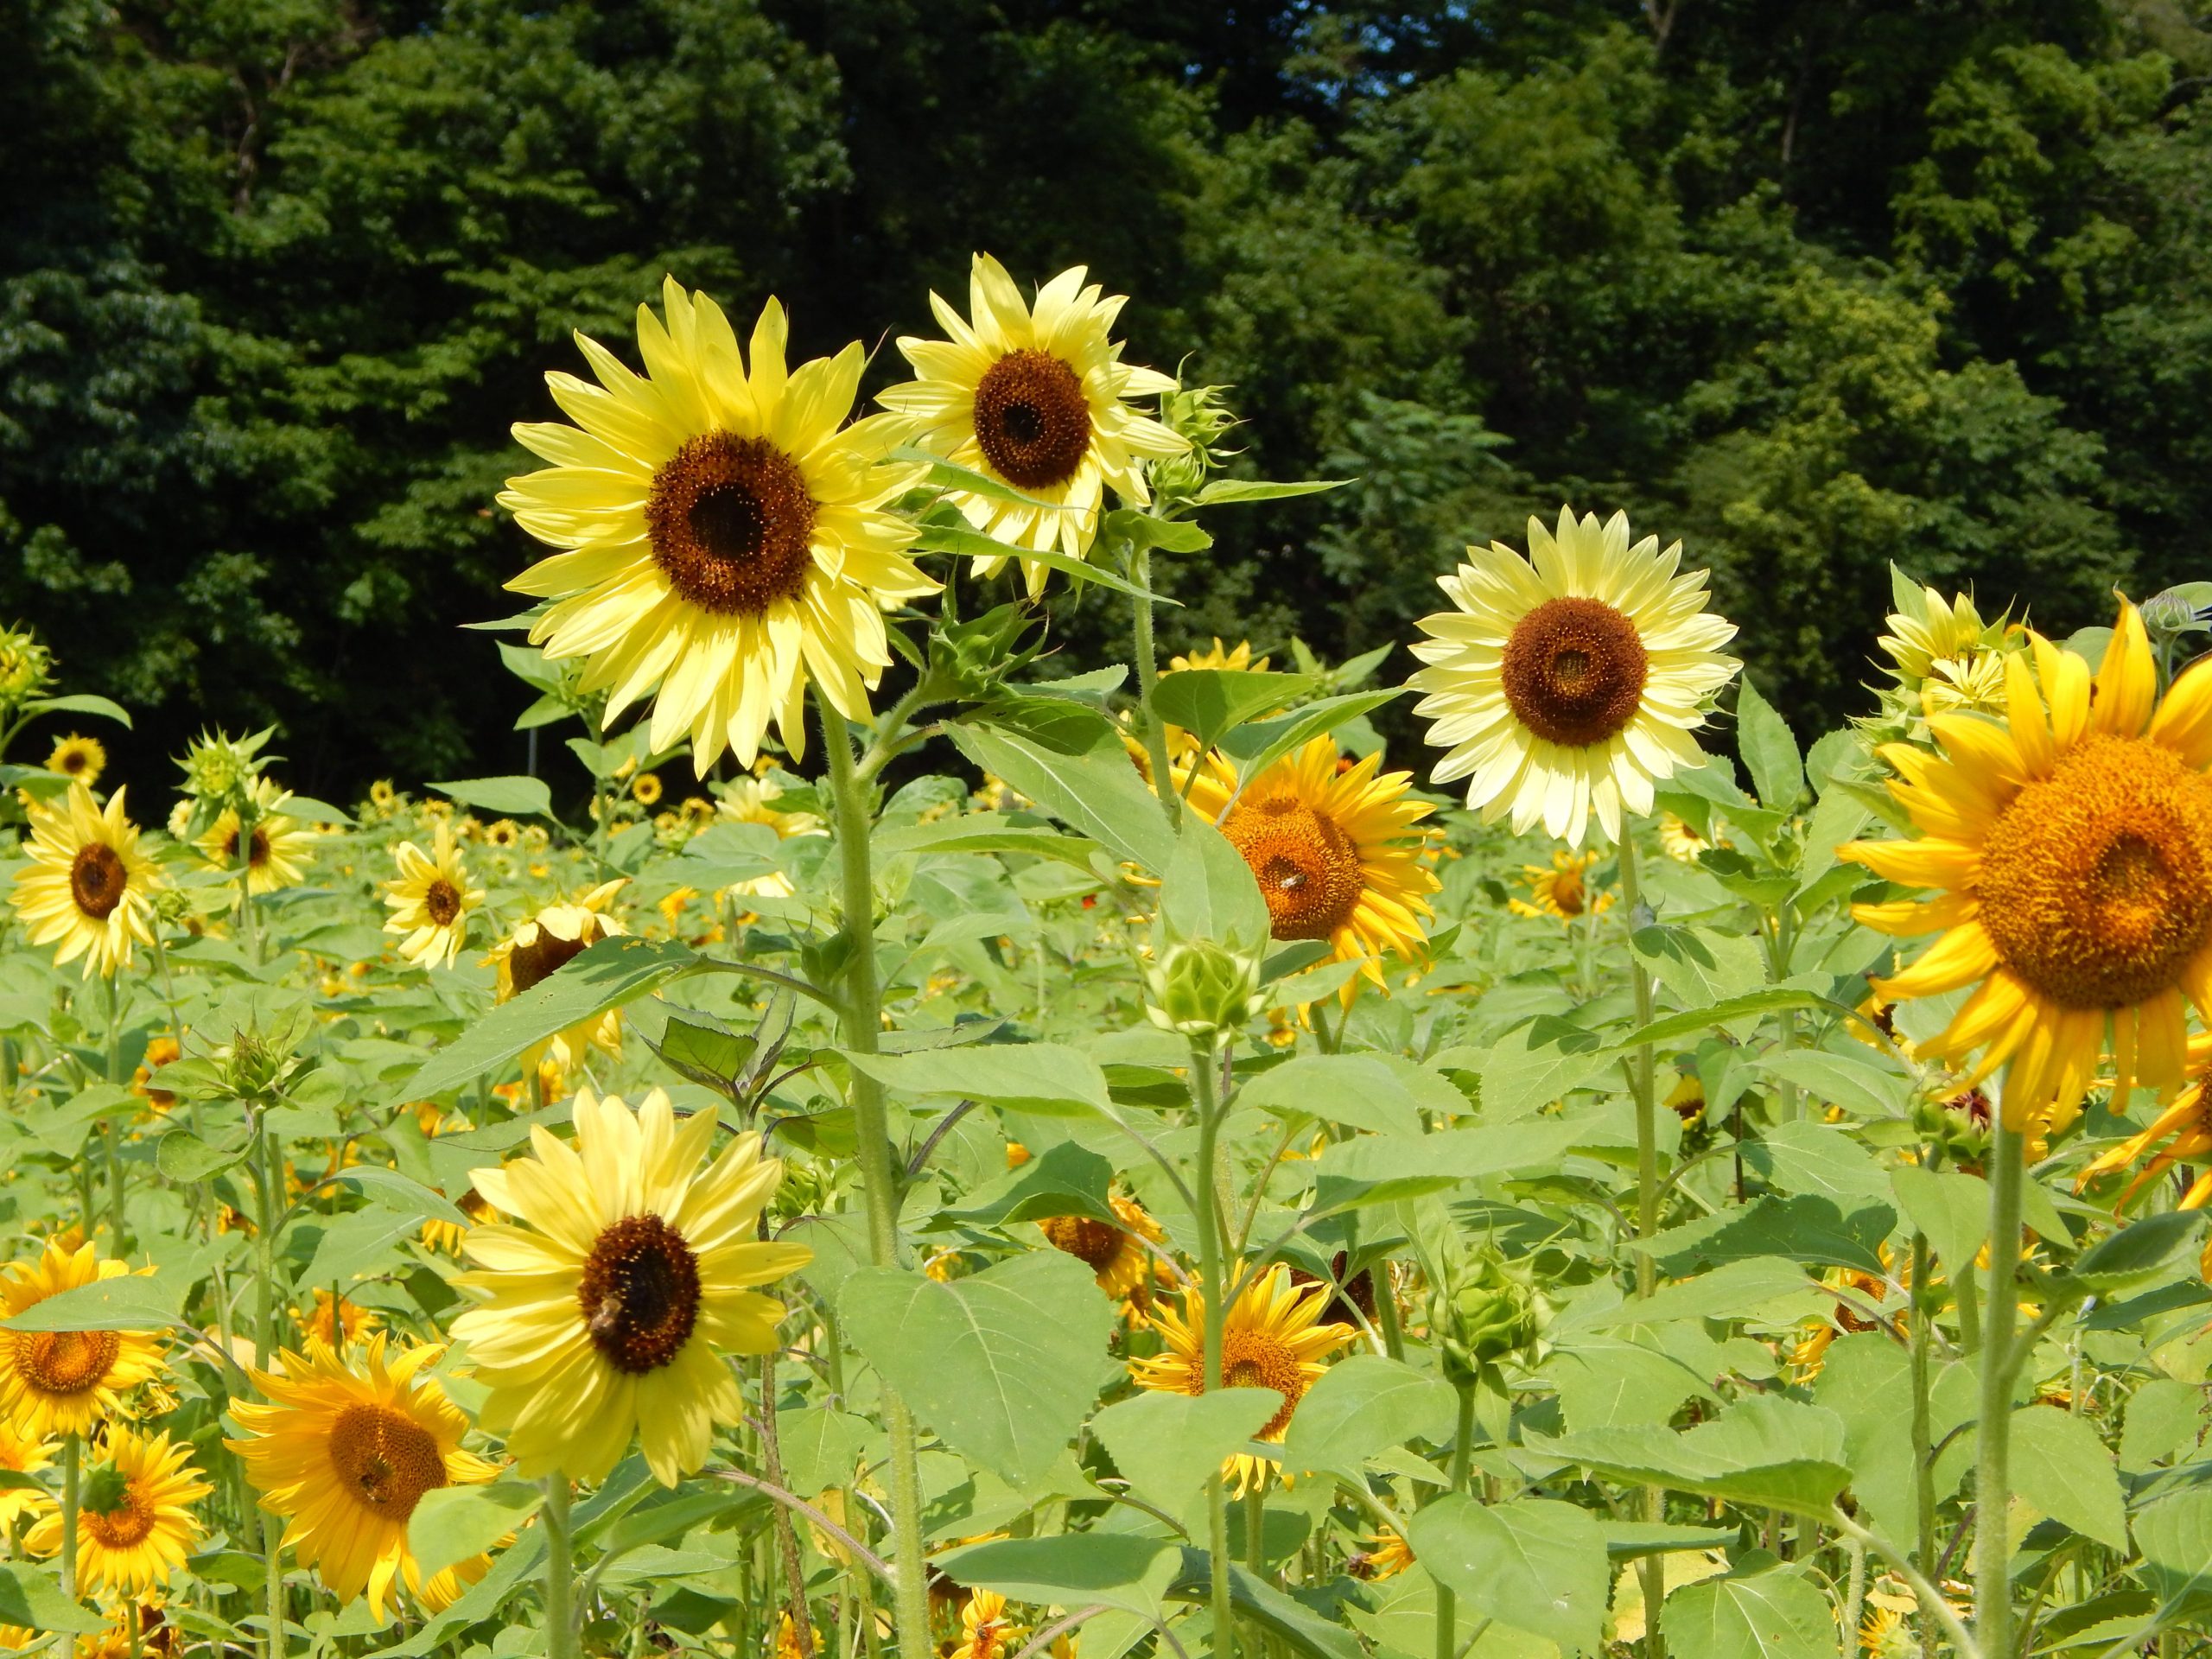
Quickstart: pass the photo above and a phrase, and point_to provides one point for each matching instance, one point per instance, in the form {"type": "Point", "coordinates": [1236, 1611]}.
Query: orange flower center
{"type": "Point", "coordinates": [442, 902]}
{"type": "Point", "coordinates": [132, 1522]}
{"type": "Point", "coordinates": [1307, 868]}
{"type": "Point", "coordinates": [66, 1362]}
{"type": "Point", "coordinates": [1091, 1242]}
{"type": "Point", "coordinates": [1253, 1359]}
{"type": "Point", "coordinates": [385, 1460]}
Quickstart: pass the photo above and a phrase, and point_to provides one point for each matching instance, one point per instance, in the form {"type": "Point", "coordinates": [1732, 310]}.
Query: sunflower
{"type": "Point", "coordinates": [136, 1526]}
{"type": "Point", "coordinates": [728, 533]}
{"type": "Point", "coordinates": [430, 901]}
{"type": "Point", "coordinates": [22, 1454]}
{"type": "Point", "coordinates": [985, 1630]}
{"type": "Point", "coordinates": [503, 833]}
{"type": "Point", "coordinates": [1683, 843]}
{"type": "Point", "coordinates": [280, 844]}
{"type": "Point", "coordinates": [441, 1235]}
{"type": "Point", "coordinates": [753, 800]}
{"type": "Point", "coordinates": [87, 883]}
{"type": "Point", "coordinates": [644, 788]}
{"type": "Point", "coordinates": [1035, 398]}
{"type": "Point", "coordinates": [605, 1315]}
{"type": "Point", "coordinates": [1385, 1557]}
{"type": "Point", "coordinates": [63, 1382]}
{"type": "Point", "coordinates": [81, 760]}
{"type": "Point", "coordinates": [1561, 890]}
{"type": "Point", "coordinates": [1571, 680]}
{"type": "Point", "coordinates": [2071, 848]}
{"type": "Point", "coordinates": [1238, 657]}
{"type": "Point", "coordinates": [1271, 1339]}
{"type": "Point", "coordinates": [547, 941]}
{"type": "Point", "coordinates": [2186, 1128]}
{"type": "Point", "coordinates": [1334, 848]}
{"type": "Point", "coordinates": [344, 1452]}
{"type": "Point", "coordinates": [351, 1320]}
{"type": "Point", "coordinates": [1687, 1099]}
{"type": "Point", "coordinates": [1117, 1256]}
{"type": "Point", "coordinates": [383, 795]}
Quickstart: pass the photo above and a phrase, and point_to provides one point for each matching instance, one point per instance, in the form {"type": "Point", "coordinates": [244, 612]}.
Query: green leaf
{"type": "Point", "coordinates": [2060, 1467]}
{"type": "Point", "coordinates": [1004, 1365]}
{"type": "Point", "coordinates": [1535, 1564]}
{"type": "Point", "coordinates": [1384, 1169]}
{"type": "Point", "coordinates": [1819, 1157]}
{"type": "Point", "coordinates": [1354, 1089]}
{"type": "Point", "coordinates": [605, 976]}
{"type": "Point", "coordinates": [983, 832]}
{"type": "Point", "coordinates": [1165, 1444]}
{"type": "Point", "coordinates": [1209, 702]}
{"type": "Point", "coordinates": [183, 1157]}
{"type": "Point", "coordinates": [1866, 1379]}
{"type": "Point", "coordinates": [1700, 966]}
{"type": "Point", "coordinates": [1221, 491]}
{"type": "Point", "coordinates": [1774, 999]}
{"type": "Point", "coordinates": [1864, 1083]}
{"type": "Point", "coordinates": [1364, 1405]}
{"type": "Point", "coordinates": [1542, 1061]}
{"type": "Point", "coordinates": [1952, 1209]}
{"type": "Point", "coordinates": [942, 474]}
{"type": "Point", "coordinates": [2164, 1416]}
{"type": "Point", "coordinates": [1097, 791]}
{"type": "Point", "coordinates": [509, 797]}
{"type": "Point", "coordinates": [943, 537]}
{"type": "Point", "coordinates": [2138, 1252]}
{"type": "Point", "coordinates": [1261, 1604]}
{"type": "Point", "coordinates": [1259, 744]}
{"type": "Point", "coordinates": [2175, 1535]}
{"type": "Point", "coordinates": [307, 809]}
{"type": "Point", "coordinates": [1606, 1382]}
{"type": "Point", "coordinates": [1074, 1569]}
{"type": "Point", "coordinates": [1773, 1611]}
{"type": "Point", "coordinates": [1808, 1228]}
{"type": "Point", "coordinates": [1770, 751]}
{"type": "Point", "coordinates": [1067, 1180]}
{"type": "Point", "coordinates": [1762, 1450]}
{"type": "Point", "coordinates": [1048, 1078]}
{"type": "Point", "coordinates": [1734, 1290]}
{"type": "Point", "coordinates": [80, 703]}
{"type": "Point", "coordinates": [821, 1447]}
{"type": "Point", "coordinates": [452, 1523]}
{"type": "Point", "coordinates": [30, 1597]}
{"type": "Point", "coordinates": [401, 1192]}
{"type": "Point", "coordinates": [131, 1302]}
{"type": "Point", "coordinates": [1208, 891]}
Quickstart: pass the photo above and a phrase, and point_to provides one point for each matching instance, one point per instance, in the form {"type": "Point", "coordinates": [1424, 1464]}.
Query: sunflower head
{"type": "Point", "coordinates": [430, 901]}
{"type": "Point", "coordinates": [135, 1524]}
{"type": "Point", "coordinates": [1562, 889]}
{"type": "Point", "coordinates": [1238, 657]}
{"type": "Point", "coordinates": [86, 886]}
{"type": "Point", "coordinates": [545, 942]}
{"type": "Point", "coordinates": [78, 759]}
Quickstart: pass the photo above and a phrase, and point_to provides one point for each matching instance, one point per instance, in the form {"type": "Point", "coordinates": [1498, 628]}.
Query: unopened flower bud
{"type": "Point", "coordinates": [1492, 1313]}
{"type": "Point", "coordinates": [1202, 988]}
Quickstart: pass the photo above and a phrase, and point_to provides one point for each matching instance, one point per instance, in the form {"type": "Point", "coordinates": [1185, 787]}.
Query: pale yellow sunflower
{"type": "Point", "coordinates": [344, 1452]}
{"type": "Point", "coordinates": [430, 901]}
{"type": "Point", "coordinates": [1562, 889]}
{"type": "Point", "coordinates": [80, 758]}
{"type": "Point", "coordinates": [63, 1382]}
{"type": "Point", "coordinates": [1334, 846]}
{"type": "Point", "coordinates": [1272, 1338]}
{"type": "Point", "coordinates": [605, 1318]}
{"type": "Point", "coordinates": [86, 885]}
{"type": "Point", "coordinates": [277, 853]}
{"type": "Point", "coordinates": [541, 945]}
{"type": "Point", "coordinates": [135, 1525]}
{"type": "Point", "coordinates": [2071, 853]}
{"type": "Point", "coordinates": [1570, 682]}
{"type": "Point", "coordinates": [383, 795]}
{"type": "Point", "coordinates": [503, 833]}
{"type": "Point", "coordinates": [22, 1454]}
{"type": "Point", "coordinates": [1117, 1256]}
{"type": "Point", "coordinates": [728, 533]}
{"type": "Point", "coordinates": [1682, 843]}
{"type": "Point", "coordinates": [1942, 628]}
{"type": "Point", "coordinates": [1036, 398]}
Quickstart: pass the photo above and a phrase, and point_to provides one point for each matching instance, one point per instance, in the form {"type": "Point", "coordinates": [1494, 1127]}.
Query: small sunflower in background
{"type": "Point", "coordinates": [430, 901]}
{"type": "Point", "coordinates": [1568, 682]}
{"type": "Point", "coordinates": [278, 849]}
{"type": "Point", "coordinates": [504, 834]}
{"type": "Point", "coordinates": [1337, 852]}
{"type": "Point", "coordinates": [22, 1454]}
{"type": "Point", "coordinates": [1273, 1337]}
{"type": "Point", "coordinates": [81, 759]}
{"type": "Point", "coordinates": [135, 1524]}
{"type": "Point", "coordinates": [345, 1451]}
{"type": "Point", "coordinates": [1681, 840]}
{"type": "Point", "coordinates": [1385, 1557]}
{"type": "Point", "coordinates": [644, 788]}
{"type": "Point", "coordinates": [383, 795]}
{"type": "Point", "coordinates": [63, 1382]}
{"type": "Point", "coordinates": [546, 942]}
{"type": "Point", "coordinates": [725, 535]}
{"type": "Point", "coordinates": [986, 1632]}
{"type": "Point", "coordinates": [1038, 398]}
{"type": "Point", "coordinates": [605, 1309]}
{"type": "Point", "coordinates": [1561, 889]}
{"type": "Point", "coordinates": [1117, 1256]}
{"type": "Point", "coordinates": [1238, 657]}
{"type": "Point", "coordinates": [86, 885]}
{"type": "Point", "coordinates": [337, 1322]}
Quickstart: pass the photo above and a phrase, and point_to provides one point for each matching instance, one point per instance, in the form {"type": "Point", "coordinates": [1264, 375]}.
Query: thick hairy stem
{"type": "Point", "coordinates": [1205, 1096]}
{"type": "Point", "coordinates": [560, 1571]}
{"type": "Point", "coordinates": [1447, 1604]}
{"type": "Point", "coordinates": [1993, 1587]}
{"type": "Point", "coordinates": [1155, 735]}
{"type": "Point", "coordinates": [1641, 1069]}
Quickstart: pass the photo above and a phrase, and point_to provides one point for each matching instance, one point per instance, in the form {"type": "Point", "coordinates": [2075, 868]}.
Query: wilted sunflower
{"type": "Point", "coordinates": [1035, 398]}
{"type": "Point", "coordinates": [2071, 850]}
{"type": "Point", "coordinates": [279, 847]}
{"type": "Point", "coordinates": [1117, 1256]}
{"type": "Point", "coordinates": [605, 1317]}
{"type": "Point", "coordinates": [430, 901]}
{"type": "Point", "coordinates": [1334, 848]}
{"type": "Point", "coordinates": [63, 1382]}
{"type": "Point", "coordinates": [22, 1454]}
{"type": "Point", "coordinates": [85, 883]}
{"type": "Point", "coordinates": [543, 943]}
{"type": "Point", "coordinates": [81, 759]}
{"type": "Point", "coordinates": [1570, 682]}
{"type": "Point", "coordinates": [726, 529]}
{"type": "Point", "coordinates": [135, 1525]}
{"type": "Point", "coordinates": [1272, 1338]}
{"type": "Point", "coordinates": [345, 1452]}
{"type": "Point", "coordinates": [1562, 889]}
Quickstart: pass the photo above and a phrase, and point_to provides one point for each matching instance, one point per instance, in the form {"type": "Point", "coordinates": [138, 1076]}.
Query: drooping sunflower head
{"type": "Point", "coordinates": [1117, 1256]}
{"type": "Point", "coordinates": [63, 1382]}
{"type": "Point", "coordinates": [725, 532]}
{"type": "Point", "coordinates": [1037, 397]}
{"type": "Point", "coordinates": [430, 901]}
{"type": "Point", "coordinates": [86, 886]}
{"type": "Point", "coordinates": [277, 845]}
{"type": "Point", "coordinates": [344, 1450]}
{"type": "Point", "coordinates": [1570, 682]}
{"type": "Point", "coordinates": [2070, 851]}
{"type": "Point", "coordinates": [544, 943]}
{"type": "Point", "coordinates": [81, 760]}
{"type": "Point", "coordinates": [1335, 847]}
{"type": "Point", "coordinates": [135, 1525]}
{"type": "Point", "coordinates": [605, 1305]}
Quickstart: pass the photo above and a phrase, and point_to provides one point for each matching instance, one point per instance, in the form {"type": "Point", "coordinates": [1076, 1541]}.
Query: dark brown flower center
{"type": "Point", "coordinates": [731, 524]}
{"type": "Point", "coordinates": [385, 1460]}
{"type": "Point", "coordinates": [257, 851]}
{"type": "Point", "coordinates": [1575, 671]}
{"type": "Point", "coordinates": [98, 879]}
{"type": "Point", "coordinates": [639, 1294]}
{"type": "Point", "coordinates": [1091, 1242]}
{"type": "Point", "coordinates": [545, 954]}
{"type": "Point", "coordinates": [74, 761]}
{"type": "Point", "coordinates": [66, 1362]}
{"type": "Point", "coordinates": [1032, 419]}
{"type": "Point", "coordinates": [1307, 868]}
{"type": "Point", "coordinates": [442, 902]}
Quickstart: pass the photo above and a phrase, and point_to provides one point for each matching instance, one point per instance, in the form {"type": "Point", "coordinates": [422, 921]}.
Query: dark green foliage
{"type": "Point", "coordinates": [1813, 287]}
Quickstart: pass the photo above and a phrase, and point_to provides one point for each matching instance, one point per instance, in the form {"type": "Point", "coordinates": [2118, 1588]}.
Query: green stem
{"type": "Point", "coordinates": [560, 1571]}
{"type": "Point", "coordinates": [1854, 1602]}
{"type": "Point", "coordinates": [272, 1551]}
{"type": "Point", "coordinates": [72, 1483]}
{"type": "Point", "coordinates": [1993, 1490]}
{"type": "Point", "coordinates": [861, 1017]}
{"type": "Point", "coordinates": [1642, 1067]}
{"type": "Point", "coordinates": [1447, 1604]}
{"type": "Point", "coordinates": [248, 929]}
{"type": "Point", "coordinates": [1155, 735]}
{"type": "Point", "coordinates": [1923, 1461]}
{"type": "Point", "coordinates": [113, 1128]}
{"type": "Point", "coordinates": [1205, 1096]}
{"type": "Point", "coordinates": [1386, 1310]}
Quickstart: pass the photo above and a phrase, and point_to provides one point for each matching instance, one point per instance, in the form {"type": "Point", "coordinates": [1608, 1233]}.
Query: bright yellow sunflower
{"type": "Point", "coordinates": [63, 1382]}
{"type": "Point", "coordinates": [1570, 682]}
{"type": "Point", "coordinates": [1333, 844]}
{"type": "Point", "coordinates": [344, 1452]}
{"type": "Point", "coordinates": [546, 942]}
{"type": "Point", "coordinates": [22, 1454]}
{"type": "Point", "coordinates": [727, 532]}
{"type": "Point", "coordinates": [87, 883]}
{"type": "Point", "coordinates": [2071, 853]}
{"type": "Point", "coordinates": [1273, 1338]}
{"type": "Point", "coordinates": [1117, 1256]}
{"type": "Point", "coordinates": [1236, 657]}
{"type": "Point", "coordinates": [1562, 890]}
{"type": "Point", "coordinates": [605, 1318]}
{"type": "Point", "coordinates": [276, 855]}
{"type": "Point", "coordinates": [81, 760]}
{"type": "Point", "coordinates": [135, 1525]}
{"type": "Point", "coordinates": [337, 1322]}
{"type": "Point", "coordinates": [1385, 1557]}
{"type": "Point", "coordinates": [430, 901]}
{"type": "Point", "coordinates": [1035, 397]}
{"type": "Point", "coordinates": [2186, 1128]}
{"type": "Point", "coordinates": [986, 1632]}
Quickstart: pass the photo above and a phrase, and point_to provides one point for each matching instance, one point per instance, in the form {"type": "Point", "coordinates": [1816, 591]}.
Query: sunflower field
{"type": "Point", "coordinates": [956, 1152]}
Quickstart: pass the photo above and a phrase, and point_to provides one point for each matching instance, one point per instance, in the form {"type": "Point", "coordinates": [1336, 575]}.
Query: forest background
{"type": "Point", "coordinates": [1813, 284]}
